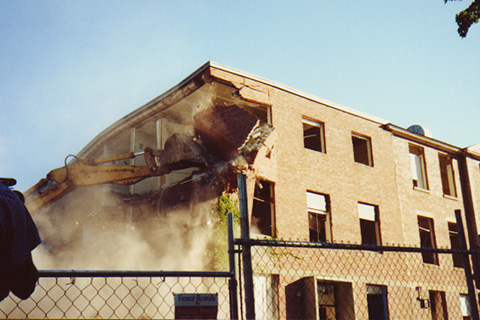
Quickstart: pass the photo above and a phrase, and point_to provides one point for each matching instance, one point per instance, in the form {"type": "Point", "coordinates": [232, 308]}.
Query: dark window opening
{"type": "Point", "coordinates": [369, 232]}
{"type": "Point", "coordinates": [438, 305]}
{"type": "Point", "coordinates": [455, 244]}
{"type": "Point", "coordinates": [427, 239]}
{"type": "Point", "coordinates": [362, 150]}
{"type": "Point", "coordinates": [263, 213]}
{"type": "Point", "coordinates": [313, 135]}
{"type": "Point", "coordinates": [377, 302]}
{"type": "Point", "coordinates": [369, 224]}
{"type": "Point", "coordinates": [318, 227]}
{"type": "Point", "coordinates": [312, 298]}
{"type": "Point", "coordinates": [261, 113]}
{"type": "Point", "coordinates": [446, 172]}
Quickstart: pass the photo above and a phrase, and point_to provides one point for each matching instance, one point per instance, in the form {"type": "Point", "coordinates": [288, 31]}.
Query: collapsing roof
{"type": "Point", "coordinates": [207, 82]}
{"type": "Point", "coordinates": [165, 164]}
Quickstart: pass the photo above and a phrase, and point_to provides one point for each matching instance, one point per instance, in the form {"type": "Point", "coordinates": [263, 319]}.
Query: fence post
{"type": "Point", "coordinates": [466, 265]}
{"type": "Point", "coordinates": [232, 283]}
{"type": "Point", "coordinates": [246, 250]}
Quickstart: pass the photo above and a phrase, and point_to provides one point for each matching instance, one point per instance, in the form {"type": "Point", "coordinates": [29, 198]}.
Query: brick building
{"type": "Point", "coordinates": [326, 173]}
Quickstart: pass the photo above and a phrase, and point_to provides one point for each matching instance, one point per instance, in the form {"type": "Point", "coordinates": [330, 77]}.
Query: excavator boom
{"type": "Point", "coordinates": [181, 151]}
{"type": "Point", "coordinates": [225, 131]}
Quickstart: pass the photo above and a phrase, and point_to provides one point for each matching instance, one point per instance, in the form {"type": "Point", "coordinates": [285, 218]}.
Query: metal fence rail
{"type": "Point", "coordinates": [304, 280]}
{"type": "Point", "coordinates": [114, 294]}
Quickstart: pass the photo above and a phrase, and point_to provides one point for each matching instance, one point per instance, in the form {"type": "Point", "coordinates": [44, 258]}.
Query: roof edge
{"type": "Point", "coordinates": [135, 113]}
{"type": "Point", "coordinates": [431, 142]}
{"type": "Point", "coordinates": [299, 93]}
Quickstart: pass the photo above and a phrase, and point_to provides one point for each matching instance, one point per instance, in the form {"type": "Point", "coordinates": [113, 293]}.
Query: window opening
{"type": "Point", "coordinates": [264, 114]}
{"type": "Point", "coordinates": [318, 217]}
{"type": "Point", "coordinates": [313, 135]}
{"type": "Point", "coordinates": [455, 244]}
{"type": "Point", "coordinates": [427, 239]}
{"type": "Point", "coordinates": [377, 302]}
{"type": "Point", "coordinates": [326, 300]}
{"type": "Point", "coordinates": [465, 307]}
{"type": "Point", "coordinates": [266, 296]}
{"type": "Point", "coordinates": [369, 223]}
{"type": "Point", "coordinates": [446, 172]}
{"type": "Point", "coordinates": [419, 172]}
{"type": "Point", "coordinates": [263, 212]}
{"type": "Point", "coordinates": [315, 298]}
{"type": "Point", "coordinates": [362, 150]}
{"type": "Point", "coordinates": [438, 305]}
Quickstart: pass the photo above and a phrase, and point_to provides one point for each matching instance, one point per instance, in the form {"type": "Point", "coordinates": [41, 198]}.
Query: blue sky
{"type": "Point", "coordinates": [69, 69]}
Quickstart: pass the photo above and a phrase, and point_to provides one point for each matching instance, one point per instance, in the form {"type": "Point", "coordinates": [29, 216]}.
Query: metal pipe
{"type": "Point", "coordinates": [136, 274]}
{"type": "Point", "coordinates": [116, 158]}
{"type": "Point", "coordinates": [342, 246]}
{"type": "Point", "coordinates": [246, 250]}
{"type": "Point", "coordinates": [470, 219]}
{"type": "Point", "coordinates": [466, 266]}
{"type": "Point", "coordinates": [232, 283]}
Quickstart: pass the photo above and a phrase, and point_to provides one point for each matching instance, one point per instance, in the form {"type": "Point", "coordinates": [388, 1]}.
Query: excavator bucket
{"type": "Point", "coordinates": [180, 152]}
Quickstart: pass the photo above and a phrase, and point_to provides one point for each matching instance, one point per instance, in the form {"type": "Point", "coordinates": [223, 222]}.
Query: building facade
{"type": "Point", "coordinates": [325, 173]}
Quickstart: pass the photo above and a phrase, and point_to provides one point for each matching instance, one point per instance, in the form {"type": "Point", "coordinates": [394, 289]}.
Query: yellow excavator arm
{"type": "Point", "coordinates": [181, 151]}
{"type": "Point", "coordinates": [225, 131]}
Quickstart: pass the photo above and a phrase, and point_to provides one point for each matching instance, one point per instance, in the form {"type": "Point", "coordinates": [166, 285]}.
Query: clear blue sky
{"type": "Point", "coordinates": [69, 69]}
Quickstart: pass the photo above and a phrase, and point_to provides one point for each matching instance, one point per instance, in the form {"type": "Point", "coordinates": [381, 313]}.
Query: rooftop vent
{"type": "Point", "coordinates": [420, 130]}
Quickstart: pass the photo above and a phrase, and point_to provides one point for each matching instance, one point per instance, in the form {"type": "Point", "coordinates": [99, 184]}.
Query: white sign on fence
{"type": "Point", "coordinates": [196, 305]}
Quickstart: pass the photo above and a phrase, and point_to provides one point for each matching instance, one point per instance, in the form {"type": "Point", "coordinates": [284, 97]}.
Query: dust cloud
{"type": "Point", "coordinates": [95, 229]}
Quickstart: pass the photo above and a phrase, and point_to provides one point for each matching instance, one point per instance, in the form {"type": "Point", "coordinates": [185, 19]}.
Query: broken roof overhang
{"type": "Point", "coordinates": [210, 71]}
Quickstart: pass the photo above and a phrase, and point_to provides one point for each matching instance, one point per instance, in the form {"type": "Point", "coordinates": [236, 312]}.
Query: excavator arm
{"type": "Point", "coordinates": [225, 131]}
{"type": "Point", "coordinates": [181, 151]}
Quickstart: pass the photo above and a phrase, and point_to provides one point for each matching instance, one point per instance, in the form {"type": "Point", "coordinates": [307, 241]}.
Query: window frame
{"type": "Point", "coordinates": [321, 127]}
{"type": "Point", "coordinates": [358, 154]}
{"type": "Point", "coordinates": [369, 224]}
{"type": "Point", "coordinates": [266, 288]}
{"type": "Point", "coordinates": [418, 152]}
{"type": "Point", "coordinates": [465, 306]}
{"type": "Point", "coordinates": [327, 299]}
{"type": "Point", "coordinates": [447, 175]}
{"type": "Point", "coordinates": [438, 305]}
{"type": "Point", "coordinates": [258, 201]}
{"type": "Point", "coordinates": [377, 290]}
{"type": "Point", "coordinates": [315, 212]}
{"type": "Point", "coordinates": [454, 237]}
{"type": "Point", "coordinates": [428, 257]}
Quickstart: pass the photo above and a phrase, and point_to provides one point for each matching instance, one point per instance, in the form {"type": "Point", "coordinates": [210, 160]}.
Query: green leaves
{"type": "Point", "coordinates": [467, 17]}
{"type": "Point", "coordinates": [219, 250]}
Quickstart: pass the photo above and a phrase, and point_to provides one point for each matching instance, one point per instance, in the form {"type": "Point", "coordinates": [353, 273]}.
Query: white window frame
{"type": "Point", "coordinates": [418, 167]}
{"type": "Point", "coordinates": [318, 203]}
{"type": "Point", "coordinates": [465, 305]}
{"type": "Point", "coordinates": [370, 212]}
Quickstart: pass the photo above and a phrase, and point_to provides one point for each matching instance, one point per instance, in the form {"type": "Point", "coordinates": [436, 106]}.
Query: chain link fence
{"type": "Point", "coordinates": [114, 295]}
{"type": "Point", "coordinates": [302, 280]}
{"type": "Point", "coordinates": [291, 280]}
